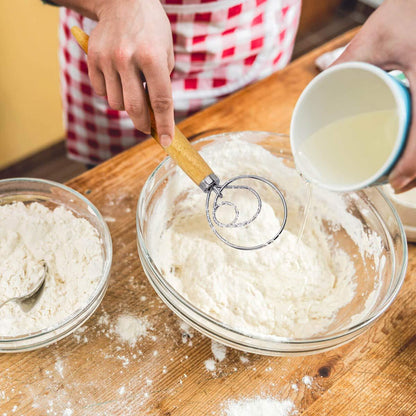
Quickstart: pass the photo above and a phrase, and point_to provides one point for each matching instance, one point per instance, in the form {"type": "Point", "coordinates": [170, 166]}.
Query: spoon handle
{"type": "Point", "coordinates": [7, 301]}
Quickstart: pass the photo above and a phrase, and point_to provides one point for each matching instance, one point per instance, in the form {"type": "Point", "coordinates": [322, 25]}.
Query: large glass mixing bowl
{"type": "Point", "coordinates": [378, 278]}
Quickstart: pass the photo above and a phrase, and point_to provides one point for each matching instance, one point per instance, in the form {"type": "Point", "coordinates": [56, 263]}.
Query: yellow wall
{"type": "Point", "coordinates": [30, 107]}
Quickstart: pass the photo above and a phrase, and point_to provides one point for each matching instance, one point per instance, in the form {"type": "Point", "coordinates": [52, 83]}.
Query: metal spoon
{"type": "Point", "coordinates": [29, 300]}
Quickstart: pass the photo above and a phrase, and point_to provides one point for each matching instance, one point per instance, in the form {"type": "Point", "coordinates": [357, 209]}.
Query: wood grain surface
{"type": "Point", "coordinates": [94, 373]}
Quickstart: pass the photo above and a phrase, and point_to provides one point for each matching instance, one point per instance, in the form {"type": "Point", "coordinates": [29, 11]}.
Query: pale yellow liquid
{"type": "Point", "coordinates": [350, 150]}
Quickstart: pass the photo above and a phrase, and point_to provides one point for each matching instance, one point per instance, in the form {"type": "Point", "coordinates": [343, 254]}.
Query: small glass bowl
{"type": "Point", "coordinates": [370, 206]}
{"type": "Point", "coordinates": [52, 194]}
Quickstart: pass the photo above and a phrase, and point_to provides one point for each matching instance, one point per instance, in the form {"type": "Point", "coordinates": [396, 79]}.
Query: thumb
{"type": "Point", "coordinates": [361, 48]}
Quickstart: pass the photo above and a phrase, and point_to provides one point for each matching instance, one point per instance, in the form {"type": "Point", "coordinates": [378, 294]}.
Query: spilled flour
{"type": "Point", "coordinates": [72, 250]}
{"type": "Point", "coordinates": [130, 328]}
{"type": "Point", "coordinates": [289, 289]}
{"type": "Point", "coordinates": [259, 407]}
{"type": "Point", "coordinates": [219, 350]}
{"type": "Point", "coordinates": [307, 381]}
{"type": "Point", "coordinates": [210, 364]}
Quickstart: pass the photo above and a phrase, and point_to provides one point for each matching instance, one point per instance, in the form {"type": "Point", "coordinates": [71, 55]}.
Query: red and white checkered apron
{"type": "Point", "coordinates": [219, 45]}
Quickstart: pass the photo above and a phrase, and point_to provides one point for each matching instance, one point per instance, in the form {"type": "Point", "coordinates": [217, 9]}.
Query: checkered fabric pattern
{"type": "Point", "coordinates": [219, 45]}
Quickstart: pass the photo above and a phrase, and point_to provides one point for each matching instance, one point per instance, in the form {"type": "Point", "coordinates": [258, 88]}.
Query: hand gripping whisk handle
{"type": "Point", "coordinates": [189, 160]}
{"type": "Point", "coordinates": [180, 150]}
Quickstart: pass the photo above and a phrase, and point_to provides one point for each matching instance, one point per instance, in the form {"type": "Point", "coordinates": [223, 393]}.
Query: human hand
{"type": "Point", "coordinates": [134, 37]}
{"type": "Point", "coordinates": [388, 40]}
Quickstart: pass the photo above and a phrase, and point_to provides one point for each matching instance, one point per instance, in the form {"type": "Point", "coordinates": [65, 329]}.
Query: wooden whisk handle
{"type": "Point", "coordinates": [180, 150]}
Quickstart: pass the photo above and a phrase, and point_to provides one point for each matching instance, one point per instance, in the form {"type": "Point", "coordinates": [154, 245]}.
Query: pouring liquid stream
{"type": "Point", "coordinates": [306, 215]}
{"type": "Point", "coordinates": [305, 212]}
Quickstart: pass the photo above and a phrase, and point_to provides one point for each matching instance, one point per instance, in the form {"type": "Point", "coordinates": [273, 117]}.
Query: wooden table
{"type": "Point", "coordinates": [94, 373]}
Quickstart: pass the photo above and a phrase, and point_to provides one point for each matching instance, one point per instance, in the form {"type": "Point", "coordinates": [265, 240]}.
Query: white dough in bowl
{"type": "Point", "coordinates": [292, 288]}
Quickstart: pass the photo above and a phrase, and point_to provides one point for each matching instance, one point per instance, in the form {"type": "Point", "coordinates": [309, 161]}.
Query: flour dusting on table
{"type": "Point", "coordinates": [307, 381]}
{"type": "Point", "coordinates": [130, 328]}
{"type": "Point", "coordinates": [219, 350]}
{"type": "Point", "coordinates": [259, 406]}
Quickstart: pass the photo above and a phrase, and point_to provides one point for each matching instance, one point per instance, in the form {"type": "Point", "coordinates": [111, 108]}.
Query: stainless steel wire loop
{"type": "Point", "coordinates": [218, 202]}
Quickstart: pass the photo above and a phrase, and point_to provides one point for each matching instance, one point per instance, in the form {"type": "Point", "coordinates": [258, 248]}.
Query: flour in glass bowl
{"type": "Point", "coordinates": [72, 250]}
{"type": "Point", "coordinates": [291, 288]}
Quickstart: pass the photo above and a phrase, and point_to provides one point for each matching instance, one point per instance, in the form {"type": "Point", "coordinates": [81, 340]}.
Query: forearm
{"type": "Point", "coordinates": [88, 8]}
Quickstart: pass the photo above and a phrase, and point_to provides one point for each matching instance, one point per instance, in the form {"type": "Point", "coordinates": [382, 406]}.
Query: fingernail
{"type": "Point", "coordinates": [165, 140]}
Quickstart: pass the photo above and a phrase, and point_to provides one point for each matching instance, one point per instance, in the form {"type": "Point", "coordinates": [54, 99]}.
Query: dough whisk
{"type": "Point", "coordinates": [192, 163]}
